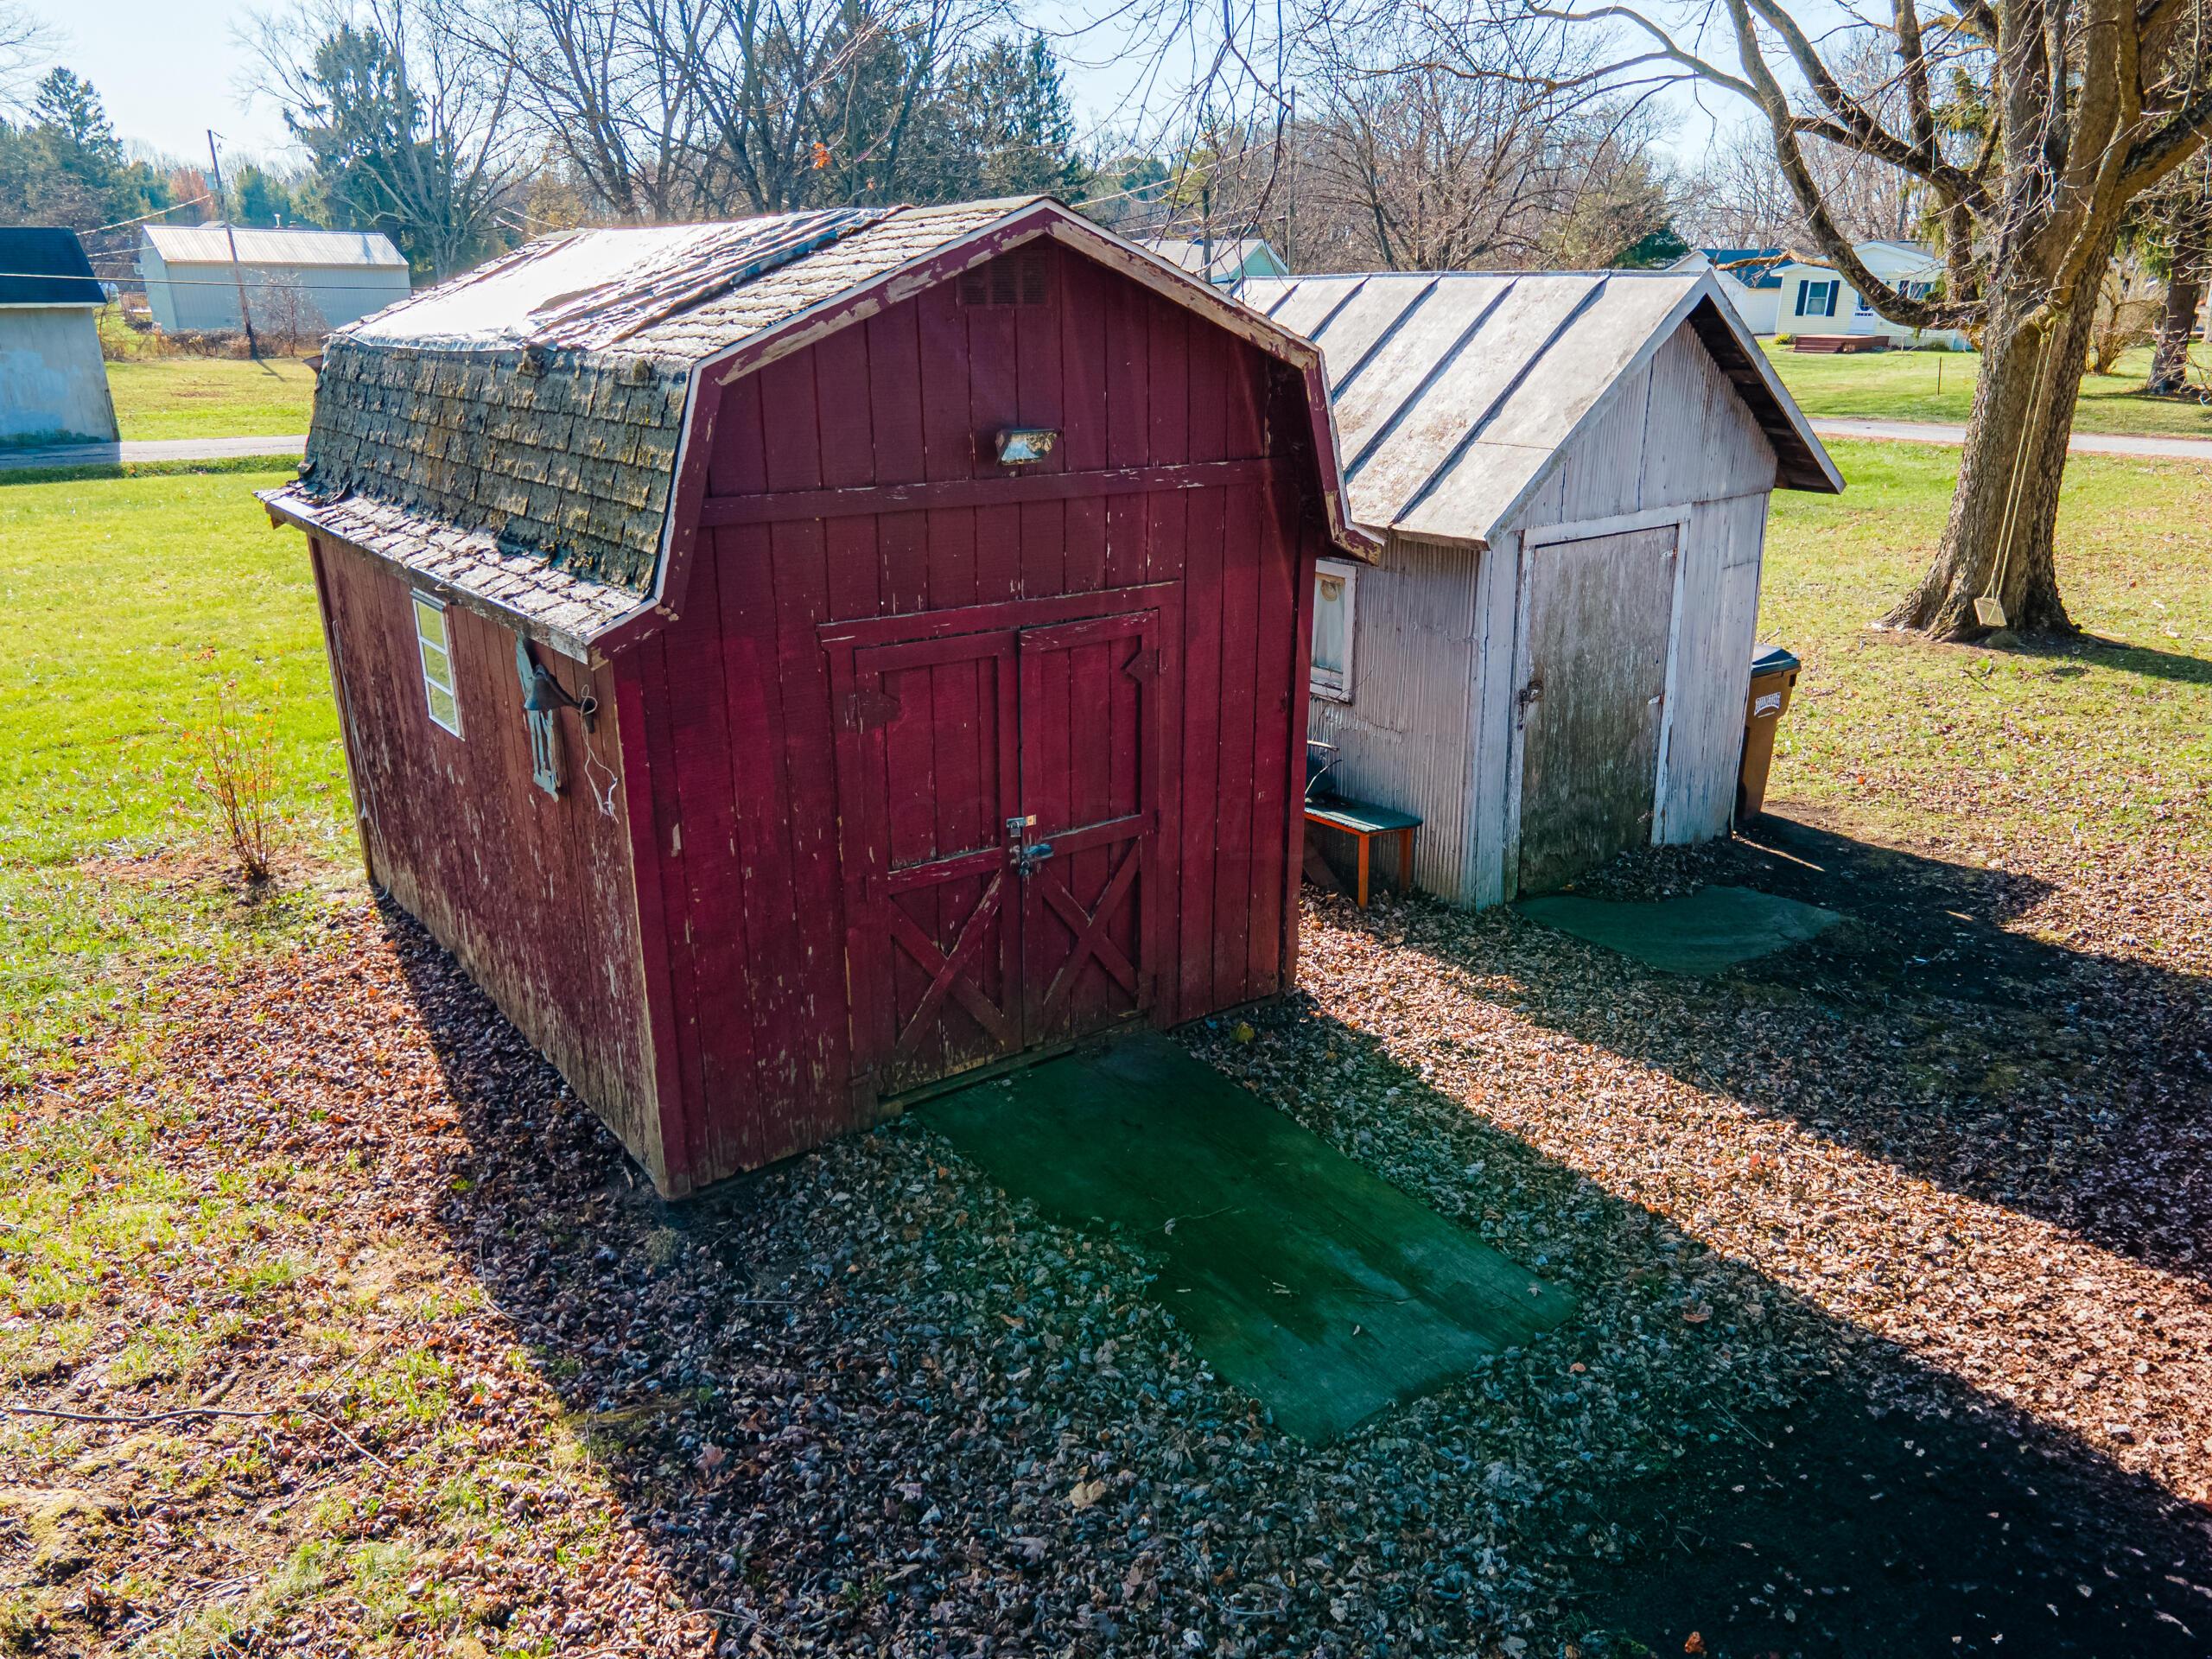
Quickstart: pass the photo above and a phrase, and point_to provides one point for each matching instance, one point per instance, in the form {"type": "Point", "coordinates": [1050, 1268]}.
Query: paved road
{"type": "Point", "coordinates": [111, 454]}
{"type": "Point", "coordinates": [2084, 443]}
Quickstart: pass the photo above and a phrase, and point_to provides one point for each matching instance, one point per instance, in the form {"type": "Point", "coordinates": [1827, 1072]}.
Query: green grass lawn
{"type": "Point", "coordinates": [127, 601]}
{"type": "Point", "coordinates": [1939, 386]}
{"type": "Point", "coordinates": [211, 396]}
{"type": "Point", "coordinates": [2102, 742]}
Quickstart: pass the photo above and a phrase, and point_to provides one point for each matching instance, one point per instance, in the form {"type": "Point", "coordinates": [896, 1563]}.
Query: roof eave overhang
{"type": "Point", "coordinates": [1802, 460]}
{"type": "Point", "coordinates": [579, 648]}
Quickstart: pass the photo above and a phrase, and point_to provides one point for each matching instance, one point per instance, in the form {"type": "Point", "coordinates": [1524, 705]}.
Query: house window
{"type": "Point", "coordinates": [1335, 582]}
{"type": "Point", "coordinates": [436, 648]}
{"type": "Point", "coordinates": [1863, 308]}
{"type": "Point", "coordinates": [1816, 299]}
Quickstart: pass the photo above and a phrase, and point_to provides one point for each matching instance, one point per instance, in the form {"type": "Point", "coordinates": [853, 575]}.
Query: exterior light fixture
{"type": "Point", "coordinates": [1024, 446]}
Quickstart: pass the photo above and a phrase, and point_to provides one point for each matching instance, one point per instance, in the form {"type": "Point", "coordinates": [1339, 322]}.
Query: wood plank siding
{"type": "Point", "coordinates": [532, 893]}
{"type": "Point", "coordinates": [854, 511]}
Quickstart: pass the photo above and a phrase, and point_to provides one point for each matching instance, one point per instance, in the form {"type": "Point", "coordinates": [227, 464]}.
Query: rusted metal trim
{"type": "Point", "coordinates": [862, 499]}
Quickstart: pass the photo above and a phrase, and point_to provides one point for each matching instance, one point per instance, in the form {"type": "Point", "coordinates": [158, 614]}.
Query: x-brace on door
{"type": "Point", "coordinates": [998, 817]}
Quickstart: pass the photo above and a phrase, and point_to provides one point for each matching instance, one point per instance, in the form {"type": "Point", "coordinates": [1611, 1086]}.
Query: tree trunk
{"type": "Point", "coordinates": [2184, 293]}
{"type": "Point", "coordinates": [2015, 461]}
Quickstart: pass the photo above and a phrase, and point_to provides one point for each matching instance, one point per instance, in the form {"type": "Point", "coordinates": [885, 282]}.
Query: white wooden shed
{"type": "Point", "coordinates": [297, 282]}
{"type": "Point", "coordinates": [1571, 471]}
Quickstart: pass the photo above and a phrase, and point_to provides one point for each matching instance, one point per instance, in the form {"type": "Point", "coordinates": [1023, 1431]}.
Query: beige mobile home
{"type": "Point", "coordinates": [1571, 470]}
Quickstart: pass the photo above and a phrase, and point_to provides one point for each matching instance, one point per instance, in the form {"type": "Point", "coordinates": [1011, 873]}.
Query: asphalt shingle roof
{"type": "Point", "coordinates": [44, 265]}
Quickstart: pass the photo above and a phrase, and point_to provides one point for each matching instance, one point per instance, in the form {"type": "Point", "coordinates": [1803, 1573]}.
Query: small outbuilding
{"type": "Point", "coordinates": [298, 283]}
{"type": "Point", "coordinates": [796, 662]}
{"type": "Point", "coordinates": [53, 380]}
{"type": "Point", "coordinates": [1227, 262]}
{"type": "Point", "coordinates": [1572, 469]}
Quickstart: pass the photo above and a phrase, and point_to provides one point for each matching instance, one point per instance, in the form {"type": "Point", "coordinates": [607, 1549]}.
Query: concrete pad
{"type": "Point", "coordinates": [1302, 1278]}
{"type": "Point", "coordinates": [1707, 932]}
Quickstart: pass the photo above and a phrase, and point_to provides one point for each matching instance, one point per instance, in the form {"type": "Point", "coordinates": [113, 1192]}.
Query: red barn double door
{"type": "Point", "coordinates": [999, 830]}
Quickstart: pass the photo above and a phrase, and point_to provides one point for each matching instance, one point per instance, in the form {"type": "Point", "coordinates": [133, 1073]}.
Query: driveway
{"type": "Point", "coordinates": [2082, 443]}
{"type": "Point", "coordinates": [143, 449]}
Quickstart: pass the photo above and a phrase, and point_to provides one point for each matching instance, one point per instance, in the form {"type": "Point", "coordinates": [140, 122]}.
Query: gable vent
{"type": "Point", "coordinates": [1010, 279]}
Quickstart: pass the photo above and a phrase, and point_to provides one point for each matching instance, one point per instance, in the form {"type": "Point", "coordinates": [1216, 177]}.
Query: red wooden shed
{"type": "Point", "coordinates": [794, 662]}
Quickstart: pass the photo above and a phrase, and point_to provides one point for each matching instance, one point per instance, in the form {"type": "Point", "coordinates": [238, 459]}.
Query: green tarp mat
{"type": "Point", "coordinates": [1704, 932]}
{"type": "Point", "coordinates": [1301, 1278]}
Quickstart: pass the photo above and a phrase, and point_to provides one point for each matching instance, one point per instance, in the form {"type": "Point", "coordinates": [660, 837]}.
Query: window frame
{"type": "Point", "coordinates": [1336, 689]}
{"type": "Point", "coordinates": [422, 606]}
{"type": "Point", "coordinates": [1817, 299]}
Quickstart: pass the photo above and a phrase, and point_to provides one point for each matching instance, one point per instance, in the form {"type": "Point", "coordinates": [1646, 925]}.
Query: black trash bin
{"type": "Point", "coordinates": [1774, 672]}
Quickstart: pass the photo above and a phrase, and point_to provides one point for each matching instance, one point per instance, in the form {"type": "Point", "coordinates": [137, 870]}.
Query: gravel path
{"type": "Point", "coordinates": [1894, 1333]}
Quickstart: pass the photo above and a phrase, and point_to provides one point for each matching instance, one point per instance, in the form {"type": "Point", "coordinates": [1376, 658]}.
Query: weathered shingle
{"type": "Point", "coordinates": [536, 405]}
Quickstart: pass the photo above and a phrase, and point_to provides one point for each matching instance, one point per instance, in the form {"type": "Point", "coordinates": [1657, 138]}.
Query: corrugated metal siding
{"type": "Point", "coordinates": [1402, 738]}
{"type": "Point", "coordinates": [1453, 389]}
{"type": "Point", "coordinates": [283, 298]}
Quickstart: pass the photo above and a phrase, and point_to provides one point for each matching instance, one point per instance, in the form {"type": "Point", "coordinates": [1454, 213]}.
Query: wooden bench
{"type": "Point", "coordinates": [1363, 822]}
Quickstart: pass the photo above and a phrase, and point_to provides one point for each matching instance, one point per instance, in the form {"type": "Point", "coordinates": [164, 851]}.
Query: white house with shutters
{"type": "Point", "coordinates": [1550, 662]}
{"type": "Point", "coordinates": [1815, 299]}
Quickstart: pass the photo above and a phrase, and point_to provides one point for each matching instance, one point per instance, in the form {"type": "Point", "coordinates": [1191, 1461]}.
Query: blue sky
{"type": "Point", "coordinates": [169, 69]}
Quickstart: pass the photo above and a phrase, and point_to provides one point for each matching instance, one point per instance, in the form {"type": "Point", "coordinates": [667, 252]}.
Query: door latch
{"type": "Point", "coordinates": [1025, 854]}
{"type": "Point", "coordinates": [1532, 692]}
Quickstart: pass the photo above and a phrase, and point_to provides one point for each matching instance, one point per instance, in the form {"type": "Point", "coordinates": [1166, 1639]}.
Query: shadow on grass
{"type": "Point", "coordinates": [2178, 666]}
{"type": "Point", "coordinates": [2068, 1085]}
{"type": "Point", "coordinates": [746, 1365]}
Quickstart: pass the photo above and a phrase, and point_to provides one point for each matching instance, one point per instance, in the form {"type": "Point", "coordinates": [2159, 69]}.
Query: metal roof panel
{"type": "Point", "coordinates": [210, 245]}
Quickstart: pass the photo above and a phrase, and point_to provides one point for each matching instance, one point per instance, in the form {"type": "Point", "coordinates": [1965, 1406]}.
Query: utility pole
{"type": "Point", "coordinates": [229, 232]}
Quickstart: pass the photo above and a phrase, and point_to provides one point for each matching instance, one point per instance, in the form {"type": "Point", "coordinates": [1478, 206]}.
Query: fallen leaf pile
{"type": "Point", "coordinates": [1879, 1244]}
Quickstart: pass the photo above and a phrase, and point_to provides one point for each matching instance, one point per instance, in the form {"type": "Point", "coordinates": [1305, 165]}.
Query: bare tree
{"type": "Point", "coordinates": [2177, 241]}
{"type": "Point", "coordinates": [27, 43]}
{"type": "Point", "coordinates": [412, 124]}
{"type": "Point", "coordinates": [2028, 127]}
{"type": "Point", "coordinates": [1430, 154]}
{"type": "Point", "coordinates": [610, 83]}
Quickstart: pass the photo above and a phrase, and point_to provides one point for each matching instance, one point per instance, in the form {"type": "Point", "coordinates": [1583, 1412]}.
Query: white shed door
{"type": "Point", "coordinates": [1592, 704]}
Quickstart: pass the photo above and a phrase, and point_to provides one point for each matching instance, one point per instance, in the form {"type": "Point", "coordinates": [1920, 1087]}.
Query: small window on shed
{"type": "Point", "coordinates": [1010, 279]}
{"type": "Point", "coordinates": [1335, 583]}
{"type": "Point", "coordinates": [436, 648]}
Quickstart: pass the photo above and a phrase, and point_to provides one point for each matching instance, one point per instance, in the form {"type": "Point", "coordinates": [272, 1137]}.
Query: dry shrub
{"type": "Point", "coordinates": [235, 769]}
{"type": "Point", "coordinates": [2126, 312]}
